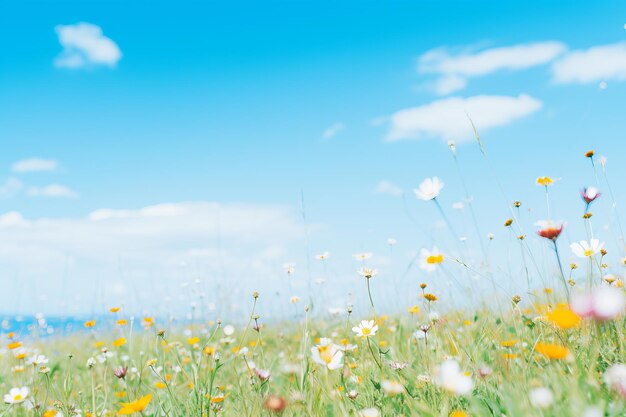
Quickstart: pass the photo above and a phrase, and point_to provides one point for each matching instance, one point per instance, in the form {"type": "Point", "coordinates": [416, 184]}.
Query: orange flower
{"type": "Point", "coordinates": [114, 309]}
{"type": "Point", "coordinates": [119, 342]}
{"type": "Point", "coordinates": [508, 343]}
{"type": "Point", "coordinates": [136, 406]}
{"type": "Point", "coordinates": [563, 318]}
{"type": "Point", "coordinates": [14, 345]}
{"type": "Point", "coordinates": [552, 351]}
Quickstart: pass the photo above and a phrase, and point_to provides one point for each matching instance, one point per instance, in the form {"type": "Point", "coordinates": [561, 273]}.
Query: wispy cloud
{"type": "Point", "coordinates": [84, 45]}
{"type": "Point", "coordinates": [598, 63]}
{"type": "Point", "coordinates": [243, 245]}
{"type": "Point", "coordinates": [332, 130]}
{"type": "Point", "coordinates": [52, 190]}
{"type": "Point", "coordinates": [388, 187]}
{"type": "Point", "coordinates": [34, 165]}
{"type": "Point", "coordinates": [448, 118]}
{"type": "Point", "coordinates": [455, 70]}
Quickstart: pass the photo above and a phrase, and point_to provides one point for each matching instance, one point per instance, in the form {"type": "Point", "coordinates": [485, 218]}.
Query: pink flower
{"type": "Point", "coordinates": [605, 303]}
{"type": "Point", "coordinates": [589, 194]}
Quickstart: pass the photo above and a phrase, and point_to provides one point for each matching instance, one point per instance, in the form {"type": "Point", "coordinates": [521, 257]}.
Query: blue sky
{"type": "Point", "coordinates": [229, 104]}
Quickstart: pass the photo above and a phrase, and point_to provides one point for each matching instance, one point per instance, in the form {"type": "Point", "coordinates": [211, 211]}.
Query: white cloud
{"type": "Point", "coordinates": [150, 252]}
{"type": "Point", "coordinates": [85, 45]}
{"type": "Point", "coordinates": [455, 70]}
{"type": "Point", "coordinates": [34, 165]}
{"type": "Point", "coordinates": [52, 190]}
{"type": "Point", "coordinates": [598, 63]}
{"type": "Point", "coordinates": [10, 187]}
{"type": "Point", "coordinates": [387, 187]}
{"type": "Point", "coordinates": [448, 118]}
{"type": "Point", "coordinates": [333, 130]}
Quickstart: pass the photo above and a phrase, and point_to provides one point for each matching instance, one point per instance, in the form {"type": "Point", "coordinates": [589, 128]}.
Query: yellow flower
{"type": "Point", "coordinates": [119, 342]}
{"type": "Point", "coordinates": [552, 351]}
{"type": "Point", "coordinates": [544, 181]}
{"type": "Point", "coordinates": [14, 345]}
{"type": "Point", "coordinates": [159, 385]}
{"type": "Point", "coordinates": [414, 309]}
{"type": "Point", "coordinates": [434, 259]}
{"type": "Point", "coordinates": [458, 413]}
{"type": "Point", "coordinates": [209, 350]}
{"type": "Point", "coordinates": [193, 340]}
{"type": "Point", "coordinates": [114, 309]}
{"type": "Point", "coordinates": [563, 318]}
{"type": "Point", "coordinates": [120, 394]}
{"type": "Point", "coordinates": [430, 297]}
{"type": "Point", "coordinates": [50, 413]}
{"type": "Point", "coordinates": [121, 322]}
{"type": "Point", "coordinates": [148, 321]}
{"type": "Point", "coordinates": [136, 406]}
{"type": "Point", "coordinates": [90, 323]}
{"type": "Point", "coordinates": [508, 343]}
{"type": "Point", "coordinates": [99, 344]}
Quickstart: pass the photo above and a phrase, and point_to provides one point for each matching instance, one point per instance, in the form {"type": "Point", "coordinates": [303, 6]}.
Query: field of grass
{"type": "Point", "coordinates": [554, 351]}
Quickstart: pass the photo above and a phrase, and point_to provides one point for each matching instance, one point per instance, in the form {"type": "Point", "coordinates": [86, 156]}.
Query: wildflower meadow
{"type": "Point", "coordinates": [554, 349]}
{"type": "Point", "coordinates": [295, 208]}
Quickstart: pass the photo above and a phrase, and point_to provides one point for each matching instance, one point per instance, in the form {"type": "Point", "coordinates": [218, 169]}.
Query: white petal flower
{"type": "Point", "coordinates": [328, 354]}
{"type": "Point", "coordinates": [429, 189]}
{"type": "Point", "coordinates": [16, 395]}
{"type": "Point", "coordinates": [369, 412]}
{"type": "Point", "coordinates": [541, 397]}
{"type": "Point", "coordinates": [586, 249]}
{"type": "Point", "coordinates": [615, 378]}
{"type": "Point", "coordinates": [366, 328]}
{"type": "Point", "coordinates": [429, 259]}
{"type": "Point", "coordinates": [449, 376]}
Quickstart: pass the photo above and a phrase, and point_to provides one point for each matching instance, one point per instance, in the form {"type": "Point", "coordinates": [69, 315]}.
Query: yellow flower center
{"type": "Point", "coordinates": [588, 252]}
{"type": "Point", "coordinates": [366, 331]}
{"type": "Point", "coordinates": [18, 397]}
{"type": "Point", "coordinates": [435, 259]}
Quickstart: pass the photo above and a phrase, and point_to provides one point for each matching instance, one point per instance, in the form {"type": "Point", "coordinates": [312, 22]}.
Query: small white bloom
{"type": "Point", "coordinates": [391, 241]}
{"type": "Point", "coordinates": [615, 378]}
{"type": "Point", "coordinates": [586, 249]}
{"type": "Point", "coordinates": [369, 412]}
{"type": "Point", "coordinates": [36, 360]}
{"type": "Point", "coordinates": [449, 376]}
{"type": "Point", "coordinates": [366, 328]}
{"type": "Point", "coordinates": [541, 397]}
{"type": "Point", "coordinates": [362, 256]}
{"type": "Point", "coordinates": [429, 259]}
{"type": "Point", "coordinates": [328, 354]}
{"type": "Point", "coordinates": [16, 395]}
{"type": "Point", "coordinates": [368, 272]}
{"type": "Point", "coordinates": [322, 256]}
{"type": "Point", "coordinates": [228, 330]}
{"type": "Point", "coordinates": [392, 387]}
{"type": "Point", "coordinates": [429, 189]}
